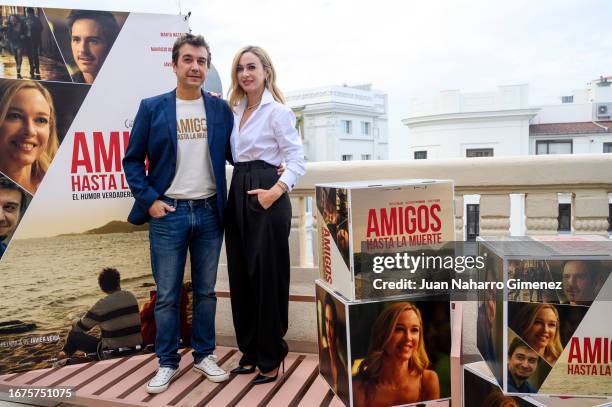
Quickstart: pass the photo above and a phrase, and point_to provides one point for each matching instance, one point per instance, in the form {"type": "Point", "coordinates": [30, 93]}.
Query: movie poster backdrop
{"type": "Point", "coordinates": [85, 38]}
{"type": "Point", "coordinates": [28, 48]}
{"type": "Point", "coordinates": [34, 118]}
{"type": "Point", "coordinates": [76, 223]}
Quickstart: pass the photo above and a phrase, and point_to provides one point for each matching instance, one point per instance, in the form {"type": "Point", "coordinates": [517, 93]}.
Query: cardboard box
{"type": "Point", "coordinates": [362, 223]}
{"type": "Point", "coordinates": [358, 340]}
{"type": "Point", "coordinates": [548, 303]}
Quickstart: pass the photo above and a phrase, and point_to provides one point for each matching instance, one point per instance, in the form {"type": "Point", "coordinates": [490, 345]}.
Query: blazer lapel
{"type": "Point", "coordinates": [210, 115]}
{"type": "Point", "coordinates": [170, 113]}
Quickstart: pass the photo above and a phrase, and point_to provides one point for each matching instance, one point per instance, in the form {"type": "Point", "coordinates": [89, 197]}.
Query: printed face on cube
{"type": "Point", "coordinates": [405, 337]}
{"type": "Point", "coordinates": [523, 362]}
{"type": "Point", "coordinates": [577, 282]}
{"type": "Point", "coordinates": [543, 329]}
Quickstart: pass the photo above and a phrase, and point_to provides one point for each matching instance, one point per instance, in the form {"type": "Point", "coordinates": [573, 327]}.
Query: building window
{"type": "Point", "coordinates": [347, 157]}
{"type": "Point", "coordinates": [365, 128]}
{"type": "Point", "coordinates": [567, 99]}
{"type": "Point", "coordinates": [346, 126]}
{"type": "Point", "coordinates": [565, 217]}
{"type": "Point", "coordinates": [472, 222]}
{"type": "Point", "coordinates": [366, 157]}
{"type": "Point", "coordinates": [479, 152]}
{"type": "Point", "coordinates": [420, 155]}
{"type": "Point", "coordinates": [607, 148]}
{"type": "Point", "coordinates": [554, 147]}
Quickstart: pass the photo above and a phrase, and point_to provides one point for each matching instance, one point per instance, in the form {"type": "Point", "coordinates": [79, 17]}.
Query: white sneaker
{"type": "Point", "coordinates": [209, 368]}
{"type": "Point", "coordinates": [162, 380]}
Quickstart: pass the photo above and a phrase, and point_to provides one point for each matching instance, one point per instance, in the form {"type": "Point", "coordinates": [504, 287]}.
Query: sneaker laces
{"type": "Point", "coordinates": [210, 364]}
{"type": "Point", "coordinates": [164, 374]}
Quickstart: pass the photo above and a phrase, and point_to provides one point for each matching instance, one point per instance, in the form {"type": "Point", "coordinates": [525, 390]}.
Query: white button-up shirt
{"type": "Point", "coordinates": [269, 134]}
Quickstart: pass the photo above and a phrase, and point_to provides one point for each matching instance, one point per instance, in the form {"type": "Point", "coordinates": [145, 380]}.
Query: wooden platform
{"type": "Point", "coordinates": [121, 383]}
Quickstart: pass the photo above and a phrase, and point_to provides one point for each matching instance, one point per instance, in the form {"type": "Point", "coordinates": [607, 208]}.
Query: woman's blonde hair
{"type": "Point", "coordinates": [8, 90]}
{"type": "Point", "coordinates": [384, 326]}
{"type": "Point", "coordinates": [526, 318]}
{"type": "Point", "coordinates": [236, 93]}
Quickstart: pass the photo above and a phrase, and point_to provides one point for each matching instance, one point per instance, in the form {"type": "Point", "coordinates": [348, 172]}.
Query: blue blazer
{"type": "Point", "coordinates": [153, 136]}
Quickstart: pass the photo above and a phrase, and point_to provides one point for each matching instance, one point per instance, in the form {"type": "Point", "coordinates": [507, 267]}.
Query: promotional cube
{"type": "Point", "coordinates": [359, 341]}
{"type": "Point", "coordinates": [364, 226]}
{"type": "Point", "coordinates": [544, 314]}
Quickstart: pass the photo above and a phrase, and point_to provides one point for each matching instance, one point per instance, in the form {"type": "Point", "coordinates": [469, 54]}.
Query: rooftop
{"type": "Point", "coordinates": [570, 128]}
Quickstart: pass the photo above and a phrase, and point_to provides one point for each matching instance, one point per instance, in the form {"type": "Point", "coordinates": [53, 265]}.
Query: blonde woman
{"type": "Point", "coordinates": [539, 328]}
{"type": "Point", "coordinates": [395, 370]}
{"type": "Point", "coordinates": [28, 135]}
{"type": "Point", "coordinates": [258, 217]}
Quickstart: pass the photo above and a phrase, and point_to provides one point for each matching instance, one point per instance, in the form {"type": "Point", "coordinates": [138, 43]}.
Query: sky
{"type": "Point", "coordinates": [410, 49]}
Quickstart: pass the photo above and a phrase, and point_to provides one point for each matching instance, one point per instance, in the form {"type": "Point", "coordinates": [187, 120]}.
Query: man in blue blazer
{"type": "Point", "coordinates": [183, 137]}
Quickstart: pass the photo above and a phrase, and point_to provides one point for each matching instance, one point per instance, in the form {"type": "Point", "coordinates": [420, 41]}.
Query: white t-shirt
{"type": "Point", "coordinates": [194, 177]}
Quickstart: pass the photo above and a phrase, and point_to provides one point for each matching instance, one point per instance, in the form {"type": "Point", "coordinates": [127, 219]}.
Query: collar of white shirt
{"type": "Point", "coordinates": [266, 98]}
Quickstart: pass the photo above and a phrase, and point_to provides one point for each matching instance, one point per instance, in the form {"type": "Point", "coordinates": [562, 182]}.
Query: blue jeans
{"type": "Point", "coordinates": [194, 225]}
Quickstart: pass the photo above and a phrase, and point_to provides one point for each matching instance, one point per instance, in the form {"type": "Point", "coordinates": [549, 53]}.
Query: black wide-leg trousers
{"type": "Point", "coordinates": [257, 244]}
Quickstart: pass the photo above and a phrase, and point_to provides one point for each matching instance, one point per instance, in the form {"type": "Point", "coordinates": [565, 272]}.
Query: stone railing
{"type": "Point", "coordinates": [588, 178]}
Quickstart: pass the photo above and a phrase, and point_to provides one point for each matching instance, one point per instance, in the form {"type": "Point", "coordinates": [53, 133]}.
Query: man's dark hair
{"type": "Point", "coordinates": [109, 280]}
{"type": "Point", "coordinates": [106, 19]}
{"type": "Point", "coordinates": [6, 183]}
{"type": "Point", "coordinates": [516, 343]}
{"type": "Point", "coordinates": [30, 11]}
{"type": "Point", "coordinates": [195, 40]}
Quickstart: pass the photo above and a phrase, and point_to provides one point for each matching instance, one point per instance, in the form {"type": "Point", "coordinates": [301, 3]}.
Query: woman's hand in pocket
{"type": "Point", "coordinates": [267, 197]}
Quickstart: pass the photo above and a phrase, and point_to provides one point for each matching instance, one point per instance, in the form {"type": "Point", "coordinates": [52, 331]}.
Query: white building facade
{"type": "Point", "coordinates": [342, 123]}
{"type": "Point", "coordinates": [502, 123]}
{"type": "Point", "coordinates": [580, 125]}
